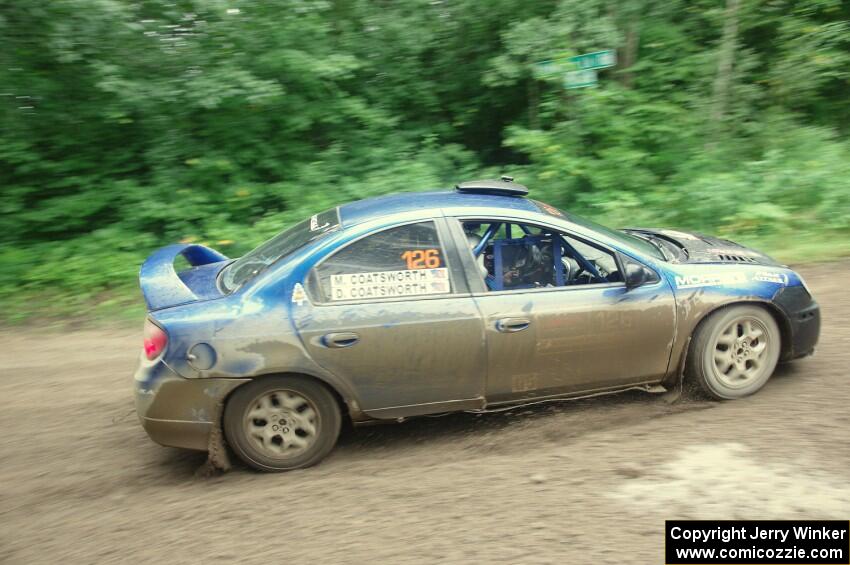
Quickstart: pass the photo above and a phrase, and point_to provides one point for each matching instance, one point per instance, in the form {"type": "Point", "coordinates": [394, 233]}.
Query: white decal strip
{"type": "Point", "coordinates": [719, 279]}
{"type": "Point", "coordinates": [723, 279]}
{"type": "Point", "coordinates": [384, 284]}
{"type": "Point", "coordinates": [767, 276]}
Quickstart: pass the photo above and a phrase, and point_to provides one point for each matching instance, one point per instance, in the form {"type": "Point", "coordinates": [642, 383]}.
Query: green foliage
{"type": "Point", "coordinates": [127, 126]}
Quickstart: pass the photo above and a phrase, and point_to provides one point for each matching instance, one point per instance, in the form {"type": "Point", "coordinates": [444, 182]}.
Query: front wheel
{"type": "Point", "coordinates": [282, 423]}
{"type": "Point", "coordinates": [735, 351]}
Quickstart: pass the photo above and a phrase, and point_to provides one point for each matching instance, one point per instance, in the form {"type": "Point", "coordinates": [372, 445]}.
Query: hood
{"type": "Point", "coordinates": [695, 247]}
{"type": "Point", "coordinates": [162, 286]}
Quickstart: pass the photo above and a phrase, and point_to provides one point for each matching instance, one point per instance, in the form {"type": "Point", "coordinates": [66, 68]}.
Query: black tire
{"type": "Point", "coordinates": [255, 442]}
{"type": "Point", "coordinates": [723, 334]}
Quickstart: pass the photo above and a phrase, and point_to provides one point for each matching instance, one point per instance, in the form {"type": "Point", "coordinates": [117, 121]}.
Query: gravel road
{"type": "Point", "coordinates": [588, 481]}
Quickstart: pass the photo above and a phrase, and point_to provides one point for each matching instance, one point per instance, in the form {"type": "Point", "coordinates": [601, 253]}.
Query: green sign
{"type": "Point", "coordinates": [595, 60]}
{"type": "Point", "coordinates": [550, 67]}
{"type": "Point", "coordinates": [580, 79]}
{"type": "Point", "coordinates": [578, 71]}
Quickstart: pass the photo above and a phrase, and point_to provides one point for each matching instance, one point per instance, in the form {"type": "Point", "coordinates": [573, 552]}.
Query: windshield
{"type": "Point", "coordinates": [629, 240]}
{"type": "Point", "coordinates": [285, 243]}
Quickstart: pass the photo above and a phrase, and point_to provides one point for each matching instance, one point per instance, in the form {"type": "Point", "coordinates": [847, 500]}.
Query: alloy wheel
{"type": "Point", "coordinates": [740, 352]}
{"type": "Point", "coordinates": [282, 423]}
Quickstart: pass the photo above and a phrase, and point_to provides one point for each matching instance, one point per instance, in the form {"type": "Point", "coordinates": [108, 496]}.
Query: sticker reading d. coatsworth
{"type": "Point", "coordinates": [385, 284]}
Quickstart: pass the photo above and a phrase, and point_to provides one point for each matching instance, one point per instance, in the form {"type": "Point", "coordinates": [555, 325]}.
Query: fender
{"type": "Point", "coordinates": [683, 339]}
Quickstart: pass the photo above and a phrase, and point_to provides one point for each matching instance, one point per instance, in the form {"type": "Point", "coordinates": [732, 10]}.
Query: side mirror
{"type": "Point", "coordinates": [638, 275]}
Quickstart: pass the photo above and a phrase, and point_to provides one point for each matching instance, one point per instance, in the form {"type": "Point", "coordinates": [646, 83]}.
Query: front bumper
{"type": "Point", "coordinates": [175, 411]}
{"type": "Point", "coordinates": [803, 315]}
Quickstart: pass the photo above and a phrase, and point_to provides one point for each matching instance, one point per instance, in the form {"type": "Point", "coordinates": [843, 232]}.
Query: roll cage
{"type": "Point", "coordinates": [559, 244]}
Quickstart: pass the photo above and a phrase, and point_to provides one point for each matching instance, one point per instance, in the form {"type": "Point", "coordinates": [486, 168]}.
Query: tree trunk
{"type": "Point", "coordinates": [630, 50]}
{"type": "Point", "coordinates": [533, 93]}
{"type": "Point", "coordinates": [725, 63]}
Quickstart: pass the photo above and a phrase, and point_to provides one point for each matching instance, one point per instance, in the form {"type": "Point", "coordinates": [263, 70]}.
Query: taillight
{"type": "Point", "coordinates": [155, 340]}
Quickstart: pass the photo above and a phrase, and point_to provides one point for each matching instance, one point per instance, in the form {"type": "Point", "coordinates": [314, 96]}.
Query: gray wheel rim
{"type": "Point", "coordinates": [741, 352]}
{"type": "Point", "coordinates": [281, 423]}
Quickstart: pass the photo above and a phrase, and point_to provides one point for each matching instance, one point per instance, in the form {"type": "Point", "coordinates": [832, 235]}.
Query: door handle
{"type": "Point", "coordinates": [511, 325]}
{"type": "Point", "coordinates": [341, 339]}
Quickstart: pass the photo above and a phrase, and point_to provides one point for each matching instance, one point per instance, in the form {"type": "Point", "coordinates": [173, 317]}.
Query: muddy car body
{"type": "Point", "coordinates": [426, 303]}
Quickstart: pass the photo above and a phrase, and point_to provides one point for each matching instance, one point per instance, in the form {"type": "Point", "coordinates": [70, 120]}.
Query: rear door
{"type": "Point", "coordinates": [392, 314]}
{"type": "Point", "coordinates": [581, 336]}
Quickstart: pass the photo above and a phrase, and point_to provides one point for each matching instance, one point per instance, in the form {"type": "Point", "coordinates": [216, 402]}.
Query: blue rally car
{"type": "Point", "coordinates": [460, 300]}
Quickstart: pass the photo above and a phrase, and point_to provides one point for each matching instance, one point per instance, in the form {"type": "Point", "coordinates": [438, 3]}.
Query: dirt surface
{"type": "Point", "coordinates": [580, 482]}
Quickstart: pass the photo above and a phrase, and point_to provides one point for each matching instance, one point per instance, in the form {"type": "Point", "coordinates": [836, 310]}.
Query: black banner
{"type": "Point", "coordinates": [762, 542]}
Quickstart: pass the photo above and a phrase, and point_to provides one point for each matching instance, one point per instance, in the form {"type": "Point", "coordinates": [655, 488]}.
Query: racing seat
{"type": "Point", "coordinates": [526, 263]}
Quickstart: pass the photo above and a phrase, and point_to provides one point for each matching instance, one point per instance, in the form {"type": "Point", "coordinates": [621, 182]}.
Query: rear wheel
{"type": "Point", "coordinates": [282, 423]}
{"type": "Point", "coordinates": [735, 351]}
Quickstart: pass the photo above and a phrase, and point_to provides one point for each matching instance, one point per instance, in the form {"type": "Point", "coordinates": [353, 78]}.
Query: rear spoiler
{"type": "Point", "coordinates": [161, 285]}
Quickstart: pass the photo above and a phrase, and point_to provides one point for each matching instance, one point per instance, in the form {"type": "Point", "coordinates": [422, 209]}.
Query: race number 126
{"type": "Point", "coordinates": [422, 258]}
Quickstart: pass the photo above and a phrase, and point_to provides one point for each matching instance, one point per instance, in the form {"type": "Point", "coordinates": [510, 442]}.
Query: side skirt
{"type": "Point", "coordinates": [479, 406]}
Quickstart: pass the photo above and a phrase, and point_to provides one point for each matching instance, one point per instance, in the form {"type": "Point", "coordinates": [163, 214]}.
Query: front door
{"type": "Point", "coordinates": [557, 316]}
{"type": "Point", "coordinates": [561, 340]}
{"type": "Point", "coordinates": [387, 314]}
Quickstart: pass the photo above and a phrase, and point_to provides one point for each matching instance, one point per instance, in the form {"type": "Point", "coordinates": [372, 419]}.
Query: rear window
{"type": "Point", "coordinates": [403, 261]}
{"type": "Point", "coordinates": [285, 243]}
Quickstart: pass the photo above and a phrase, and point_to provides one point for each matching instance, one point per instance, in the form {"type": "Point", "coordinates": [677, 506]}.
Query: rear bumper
{"type": "Point", "coordinates": [175, 411]}
{"type": "Point", "coordinates": [803, 315]}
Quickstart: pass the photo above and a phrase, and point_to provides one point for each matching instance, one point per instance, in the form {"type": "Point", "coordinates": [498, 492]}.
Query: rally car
{"type": "Point", "coordinates": [435, 302]}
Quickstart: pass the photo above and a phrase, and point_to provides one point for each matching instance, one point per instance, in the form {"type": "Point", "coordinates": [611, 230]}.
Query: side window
{"type": "Point", "coordinates": [512, 256]}
{"type": "Point", "coordinates": [404, 261]}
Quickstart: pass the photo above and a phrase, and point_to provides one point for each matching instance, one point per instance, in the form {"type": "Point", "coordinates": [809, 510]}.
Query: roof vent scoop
{"type": "Point", "coordinates": [504, 186]}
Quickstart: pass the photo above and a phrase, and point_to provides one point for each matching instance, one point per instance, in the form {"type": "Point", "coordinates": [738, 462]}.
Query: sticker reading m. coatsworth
{"type": "Point", "coordinates": [386, 284]}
